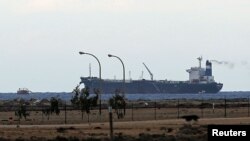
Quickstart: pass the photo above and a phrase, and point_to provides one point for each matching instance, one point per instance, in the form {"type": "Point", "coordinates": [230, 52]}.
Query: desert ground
{"type": "Point", "coordinates": [144, 120]}
{"type": "Point", "coordinates": [132, 129]}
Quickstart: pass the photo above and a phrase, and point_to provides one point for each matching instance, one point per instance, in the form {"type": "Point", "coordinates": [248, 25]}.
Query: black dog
{"type": "Point", "coordinates": [190, 117]}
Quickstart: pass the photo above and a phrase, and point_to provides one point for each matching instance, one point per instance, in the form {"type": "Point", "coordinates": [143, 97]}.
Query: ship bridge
{"type": "Point", "coordinates": [201, 75]}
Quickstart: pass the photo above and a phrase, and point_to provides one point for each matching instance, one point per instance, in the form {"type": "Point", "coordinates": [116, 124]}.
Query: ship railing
{"type": "Point", "coordinates": [113, 80]}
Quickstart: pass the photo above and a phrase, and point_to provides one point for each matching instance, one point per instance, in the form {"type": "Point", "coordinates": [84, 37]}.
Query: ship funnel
{"type": "Point", "coordinates": [208, 68]}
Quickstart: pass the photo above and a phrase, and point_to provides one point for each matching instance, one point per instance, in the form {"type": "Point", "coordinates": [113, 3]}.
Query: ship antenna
{"type": "Point", "coordinates": [200, 59]}
{"type": "Point", "coordinates": [141, 75]}
{"type": "Point", "coordinates": [130, 75]}
{"type": "Point", "coordinates": [89, 69]}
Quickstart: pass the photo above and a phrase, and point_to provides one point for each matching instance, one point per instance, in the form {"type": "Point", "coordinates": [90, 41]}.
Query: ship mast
{"type": "Point", "coordinates": [200, 59]}
{"type": "Point", "coordinates": [130, 75]}
{"type": "Point", "coordinates": [151, 74]}
{"type": "Point", "coordinates": [89, 69]}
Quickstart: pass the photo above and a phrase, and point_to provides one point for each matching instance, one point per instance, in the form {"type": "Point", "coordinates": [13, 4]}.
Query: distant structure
{"type": "Point", "coordinates": [23, 91]}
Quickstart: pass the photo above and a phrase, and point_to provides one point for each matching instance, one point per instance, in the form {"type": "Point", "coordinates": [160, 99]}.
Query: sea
{"type": "Point", "coordinates": [67, 96]}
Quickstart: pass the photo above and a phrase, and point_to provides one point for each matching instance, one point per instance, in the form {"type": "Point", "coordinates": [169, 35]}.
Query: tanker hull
{"type": "Point", "coordinates": [149, 87]}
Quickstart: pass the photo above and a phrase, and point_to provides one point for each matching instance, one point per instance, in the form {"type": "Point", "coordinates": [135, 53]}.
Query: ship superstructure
{"type": "Point", "coordinates": [200, 80]}
{"type": "Point", "coordinates": [201, 75]}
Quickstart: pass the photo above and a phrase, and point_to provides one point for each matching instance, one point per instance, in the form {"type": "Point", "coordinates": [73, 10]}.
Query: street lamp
{"type": "Point", "coordinates": [100, 77]}
{"type": "Point", "coordinates": [109, 55]}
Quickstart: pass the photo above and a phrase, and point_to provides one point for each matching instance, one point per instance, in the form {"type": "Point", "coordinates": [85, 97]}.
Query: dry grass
{"type": "Point", "coordinates": [101, 130]}
{"type": "Point", "coordinates": [141, 125]}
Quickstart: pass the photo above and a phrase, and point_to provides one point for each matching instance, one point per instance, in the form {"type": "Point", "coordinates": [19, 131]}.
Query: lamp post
{"type": "Point", "coordinates": [109, 55]}
{"type": "Point", "coordinates": [100, 77]}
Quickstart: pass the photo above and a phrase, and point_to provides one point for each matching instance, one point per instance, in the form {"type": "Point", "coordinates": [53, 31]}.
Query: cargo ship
{"type": "Point", "coordinates": [200, 80]}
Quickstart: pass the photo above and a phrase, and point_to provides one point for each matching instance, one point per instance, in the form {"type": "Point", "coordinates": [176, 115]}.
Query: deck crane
{"type": "Point", "coordinates": [151, 74]}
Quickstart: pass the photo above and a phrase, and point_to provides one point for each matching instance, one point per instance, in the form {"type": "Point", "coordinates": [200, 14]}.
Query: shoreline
{"type": "Point", "coordinates": [129, 97]}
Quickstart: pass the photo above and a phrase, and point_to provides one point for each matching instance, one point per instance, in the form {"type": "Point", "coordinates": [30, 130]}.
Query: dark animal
{"type": "Point", "coordinates": [191, 117]}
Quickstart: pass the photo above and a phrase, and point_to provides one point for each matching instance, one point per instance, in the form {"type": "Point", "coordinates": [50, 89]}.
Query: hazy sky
{"type": "Point", "coordinates": [40, 40]}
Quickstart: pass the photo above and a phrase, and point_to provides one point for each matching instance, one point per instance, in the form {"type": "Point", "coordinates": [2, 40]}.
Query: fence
{"type": "Point", "coordinates": [135, 111]}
